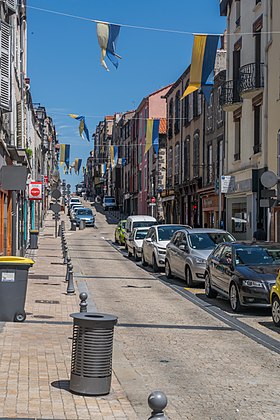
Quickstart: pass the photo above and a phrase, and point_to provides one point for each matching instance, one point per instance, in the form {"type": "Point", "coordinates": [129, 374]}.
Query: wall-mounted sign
{"type": "Point", "coordinates": [35, 191]}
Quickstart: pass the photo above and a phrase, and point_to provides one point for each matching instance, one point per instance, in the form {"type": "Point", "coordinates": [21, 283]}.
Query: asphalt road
{"type": "Point", "coordinates": [210, 362]}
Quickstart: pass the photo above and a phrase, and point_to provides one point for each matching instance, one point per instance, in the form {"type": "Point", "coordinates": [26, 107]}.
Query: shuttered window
{"type": "Point", "coordinates": [11, 5]}
{"type": "Point", "coordinates": [5, 66]}
{"type": "Point", "coordinates": [19, 125]}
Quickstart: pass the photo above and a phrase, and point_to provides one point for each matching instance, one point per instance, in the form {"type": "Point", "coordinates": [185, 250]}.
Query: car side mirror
{"type": "Point", "coordinates": [148, 240]}
{"type": "Point", "coordinates": [182, 247]}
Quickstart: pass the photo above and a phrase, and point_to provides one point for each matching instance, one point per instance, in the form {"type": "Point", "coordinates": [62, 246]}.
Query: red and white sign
{"type": "Point", "coordinates": [46, 179]}
{"type": "Point", "coordinates": [35, 191]}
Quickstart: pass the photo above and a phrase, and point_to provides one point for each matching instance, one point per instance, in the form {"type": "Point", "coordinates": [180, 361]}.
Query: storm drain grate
{"type": "Point", "coordinates": [54, 302]}
{"type": "Point", "coordinates": [39, 276]}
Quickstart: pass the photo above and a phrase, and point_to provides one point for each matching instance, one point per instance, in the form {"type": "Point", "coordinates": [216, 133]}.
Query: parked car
{"type": "Point", "coordinates": [242, 272]}
{"type": "Point", "coordinates": [154, 244]}
{"type": "Point", "coordinates": [73, 210]}
{"type": "Point", "coordinates": [109, 203]}
{"type": "Point", "coordinates": [73, 201]}
{"type": "Point", "coordinates": [119, 232]}
{"type": "Point", "coordinates": [275, 301]}
{"type": "Point", "coordinates": [188, 250]}
{"type": "Point", "coordinates": [135, 242]}
{"type": "Point", "coordinates": [137, 221]}
{"type": "Point", "coordinates": [84, 214]}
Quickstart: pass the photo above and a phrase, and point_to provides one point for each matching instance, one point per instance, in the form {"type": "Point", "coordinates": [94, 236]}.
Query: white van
{"type": "Point", "coordinates": [133, 222]}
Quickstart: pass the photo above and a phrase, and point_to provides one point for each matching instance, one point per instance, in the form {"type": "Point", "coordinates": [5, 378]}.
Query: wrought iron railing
{"type": "Point", "coordinates": [251, 77]}
{"type": "Point", "coordinates": [230, 93]}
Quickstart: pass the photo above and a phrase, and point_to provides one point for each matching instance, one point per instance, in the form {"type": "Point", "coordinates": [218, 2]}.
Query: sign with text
{"type": "Point", "coordinates": [35, 191]}
{"type": "Point", "coordinates": [227, 184]}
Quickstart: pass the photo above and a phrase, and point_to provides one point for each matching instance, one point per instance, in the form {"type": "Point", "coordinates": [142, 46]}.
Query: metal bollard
{"type": "Point", "coordinates": [157, 401]}
{"type": "Point", "coordinates": [83, 304]}
{"type": "Point", "coordinates": [73, 225]}
{"type": "Point", "coordinates": [67, 269]}
{"type": "Point", "coordinates": [70, 286]}
{"type": "Point", "coordinates": [65, 255]}
{"type": "Point", "coordinates": [82, 224]}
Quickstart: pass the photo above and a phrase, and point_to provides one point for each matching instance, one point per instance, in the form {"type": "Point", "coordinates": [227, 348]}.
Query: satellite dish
{"type": "Point", "coordinates": [269, 179]}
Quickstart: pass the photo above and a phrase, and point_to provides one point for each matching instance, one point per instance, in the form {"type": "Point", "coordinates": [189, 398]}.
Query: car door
{"type": "Point", "coordinates": [149, 246]}
{"type": "Point", "coordinates": [214, 267]}
{"type": "Point", "coordinates": [146, 242]}
{"type": "Point", "coordinates": [181, 255]}
{"type": "Point", "coordinates": [225, 268]}
{"type": "Point", "coordinates": [174, 257]}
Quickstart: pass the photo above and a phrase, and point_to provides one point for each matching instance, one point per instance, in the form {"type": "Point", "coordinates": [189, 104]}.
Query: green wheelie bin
{"type": "Point", "coordinates": [13, 285]}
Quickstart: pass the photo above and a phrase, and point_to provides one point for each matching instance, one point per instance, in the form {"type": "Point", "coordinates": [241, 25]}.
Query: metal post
{"type": "Point", "coordinates": [70, 284]}
{"type": "Point", "coordinates": [67, 269]}
{"type": "Point", "coordinates": [157, 401]}
{"type": "Point", "coordinates": [83, 304]}
{"type": "Point", "coordinates": [14, 223]}
{"type": "Point", "coordinates": [220, 202]}
{"type": "Point", "coordinates": [65, 254]}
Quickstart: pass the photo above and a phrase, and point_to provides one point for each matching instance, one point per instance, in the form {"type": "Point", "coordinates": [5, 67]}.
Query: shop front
{"type": "Point", "coordinates": [210, 211]}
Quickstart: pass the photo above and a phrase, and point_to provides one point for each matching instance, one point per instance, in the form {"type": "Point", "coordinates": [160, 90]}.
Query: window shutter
{"type": "Point", "coordinates": [190, 107]}
{"type": "Point", "coordinates": [5, 66]}
{"type": "Point", "coordinates": [12, 4]}
{"type": "Point", "coordinates": [19, 125]}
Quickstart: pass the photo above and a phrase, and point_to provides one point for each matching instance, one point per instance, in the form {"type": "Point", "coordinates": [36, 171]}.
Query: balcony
{"type": "Point", "coordinates": [230, 99]}
{"type": "Point", "coordinates": [251, 80]}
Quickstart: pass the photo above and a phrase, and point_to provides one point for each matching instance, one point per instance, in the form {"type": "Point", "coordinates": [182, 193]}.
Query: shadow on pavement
{"type": "Point", "coordinates": [63, 384]}
{"type": "Point", "coordinates": [112, 217]}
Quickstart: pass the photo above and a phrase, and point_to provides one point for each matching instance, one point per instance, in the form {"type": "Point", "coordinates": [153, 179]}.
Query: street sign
{"type": "Point", "coordinates": [55, 207]}
{"type": "Point", "coordinates": [152, 204]}
{"type": "Point", "coordinates": [269, 179]}
{"type": "Point", "coordinates": [35, 191]}
{"type": "Point", "coordinates": [68, 186]}
{"type": "Point", "coordinates": [268, 193]}
{"type": "Point", "coordinates": [267, 202]}
{"type": "Point", "coordinates": [56, 194]}
{"type": "Point", "coordinates": [153, 199]}
{"type": "Point", "coordinates": [227, 183]}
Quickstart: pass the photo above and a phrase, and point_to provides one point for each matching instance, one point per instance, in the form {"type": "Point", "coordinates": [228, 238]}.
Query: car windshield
{"type": "Point", "coordinates": [109, 200]}
{"type": "Point", "coordinates": [86, 212]}
{"type": "Point", "coordinates": [140, 234]}
{"type": "Point", "coordinates": [208, 240]}
{"type": "Point", "coordinates": [165, 233]}
{"type": "Point", "coordinates": [143, 224]}
{"type": "Point", "coordinates": [260, 255]}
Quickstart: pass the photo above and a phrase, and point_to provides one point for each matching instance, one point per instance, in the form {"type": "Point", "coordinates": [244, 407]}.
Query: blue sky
{"type": "Point", "coordinates": [64, 57]}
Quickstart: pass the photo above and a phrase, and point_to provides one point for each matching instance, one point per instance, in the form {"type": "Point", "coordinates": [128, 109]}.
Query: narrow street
{"type": "Point", "coordinates": [206, 367]}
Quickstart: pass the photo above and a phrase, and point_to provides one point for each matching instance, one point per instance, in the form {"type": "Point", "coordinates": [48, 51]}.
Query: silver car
{"type": "Point", "coordinates": [188, 250]}
{"type": "Point", "coordinates": [154, 244]}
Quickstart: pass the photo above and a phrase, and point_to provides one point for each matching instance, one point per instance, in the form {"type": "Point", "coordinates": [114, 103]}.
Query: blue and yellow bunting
{"type": "Point", "coordinates": [152, 135]}
{"type": "Point", "coordinates": [82, 127]}
{"type": "Point", "coordinates": [107, 35]}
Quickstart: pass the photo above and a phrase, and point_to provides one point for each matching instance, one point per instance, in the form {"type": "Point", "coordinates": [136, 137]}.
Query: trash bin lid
{"type": "Point", "coordinates": [96, 319]}
{"type": "Point", "coordinates": [15, 260]}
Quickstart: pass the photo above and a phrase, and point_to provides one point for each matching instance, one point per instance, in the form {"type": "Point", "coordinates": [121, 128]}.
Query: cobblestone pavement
{"type": "Point", "coordinates": [35, 355]}
{"type": "Point", "coordinates": [163, 341]}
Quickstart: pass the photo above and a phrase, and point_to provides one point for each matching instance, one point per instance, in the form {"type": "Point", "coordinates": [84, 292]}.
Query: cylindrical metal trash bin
{"type": "Point", "coordinates": [82, 224]}
{"type": "Point", "coordinates": [34, 239]}
{"type": "Point", "coordinates": [92, 348]}
{"type": "Point", "coordinates": [13, 285]}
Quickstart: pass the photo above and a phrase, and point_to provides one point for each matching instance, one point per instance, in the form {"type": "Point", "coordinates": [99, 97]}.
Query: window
{"type": "Point", "coordinates": [209, 122]}
{"type": "Point", "coordinates": [5, 66]}
{"type": "Point", "coordinates": [196, 155]}
{"type": "Point", "coordinates": [170, 119]}
{"type": "Point", "coordinates": [170, 163]}
{"type": "Point", "coordinates": [190, 107]}
{"type": "Point", "coordinates": [177, 162]}
{"type": "Point", "coordinates": [177, 113]}
{"type": "Point", "coordinates": [237, 13]}
{"type": "Point", "coordinates": [186, 107]}
{"type": "Point", "coordinates": [145, 178]}
{"type": "Point", "coordinates": [257, 128]}
{"type": "Point", "coordinates": [237, 138]}
{"type": "Point", "coordinates": [220, 157]}
{"type": "Point", "coordinates": [186, 161]}
{"type": "Point", "coordinates": [195, 104]}
{"type": "Point", "coordinates": [220, 114]}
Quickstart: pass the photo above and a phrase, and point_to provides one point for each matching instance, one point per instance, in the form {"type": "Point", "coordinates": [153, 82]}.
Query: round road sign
{"type": "Point", "coordinates": [35, 191]}
{"type": "Point", "coordinates": [269, 179]}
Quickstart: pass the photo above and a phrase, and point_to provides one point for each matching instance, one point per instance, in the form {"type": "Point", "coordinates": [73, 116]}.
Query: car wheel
{"type": "Point", "coordinates": [189, 278]}
{"type": "Point", "coordinates": [135, 256]}
{"type": "Point", "coordinates": [210, 293]}
{"type": "Point", "coordinates": [144, 263]}
{"type": "Point", "coordinates": [168, 270]}
{"type": "Point", "coordinates": [20, 317]}
{"type": "Point", "coordinates": [154, 265]}
{"type": "Point", "coordinates": [234, 298]}
{"type": "Point", "coordinates": [276, 311]}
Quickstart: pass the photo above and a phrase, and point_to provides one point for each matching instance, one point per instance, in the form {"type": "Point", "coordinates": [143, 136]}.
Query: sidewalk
{"type": "Point", "coordinates": [35, 355]}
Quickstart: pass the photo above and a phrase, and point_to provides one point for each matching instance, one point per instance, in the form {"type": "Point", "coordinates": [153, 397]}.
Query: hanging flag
{"type": "Point", "coordinates": [203, 64]}
{"type": "Point", "coordinates": [116, 154]}
{"type": "Point", "coordinates": [64, 154]}
{"type": "Point", "coordinates": [77, 166]}
{"type": "Point", "coordinates": [152, 133]}
{"type": "Point", "coordinates": [82, 127]}
{"type": "Point", "coordinates": [107, 35]}
{"type": "Point", "coordinates": [112, 154]}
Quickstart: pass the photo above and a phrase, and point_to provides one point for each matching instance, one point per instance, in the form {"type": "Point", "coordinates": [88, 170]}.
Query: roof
{"type": "Point", "coordinates": [142, 218]}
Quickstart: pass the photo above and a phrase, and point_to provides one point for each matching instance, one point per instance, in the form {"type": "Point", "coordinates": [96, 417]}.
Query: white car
{"type": "Point", "coordinates": [154, 244]}
{"type": "Point", "coordinates": [135, 242]}
{"type": "Point", "coordinates": [136, 222]}
{"type": "Point", "coordinates": [73, 210]}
